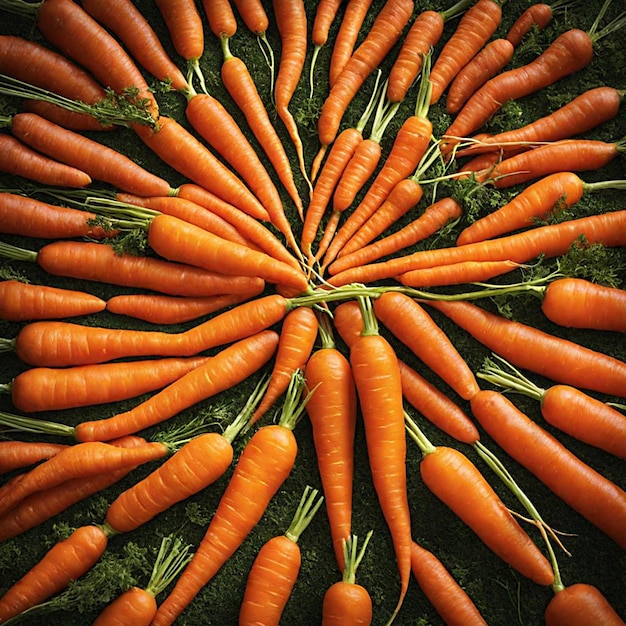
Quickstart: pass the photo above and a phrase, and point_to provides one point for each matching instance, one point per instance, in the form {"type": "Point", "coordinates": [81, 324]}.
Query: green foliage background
{"type": "Point", "coordinates": [503, 596]}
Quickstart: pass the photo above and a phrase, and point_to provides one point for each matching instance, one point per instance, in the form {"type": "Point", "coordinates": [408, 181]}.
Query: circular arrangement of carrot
{"type": "Point", "coordinates": [351, 267]}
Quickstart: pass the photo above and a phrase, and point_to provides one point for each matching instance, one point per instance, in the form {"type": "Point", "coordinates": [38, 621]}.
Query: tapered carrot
{"type": "Point", "coordinates": [221, 18]}
{"type": "Point", "coordinates": [65, 561]}
{"type": "Point", "coordinates": [592, 495]}
{"type": "Point", "coordinates": [537, 15]}
{"type": "Point", "coordinates": [325, 14]}
{"type": "Point", "coordinates": [18, 454]}
{"type": "Point", "coordinates": [276, 567]}
{"type": "Point", "coordinates": [580, 604]}
{"type": "Point", "coordinates": [253, 14]}
{"type": "Point", "coordinates": [263, 466]}
{"type": "Point", "coordinates": [456, 273]}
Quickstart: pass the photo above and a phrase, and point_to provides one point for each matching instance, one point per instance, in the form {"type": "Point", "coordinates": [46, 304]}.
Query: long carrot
{"type": "Point", "coordinates": [325, 14]}
{"type": "Point", "coordinates": [185, 28]}
{"type": "Point", "coordinates": [263, 466]}
{"type": "Point", "coordinates": [592, 495]}
{"type": "Point", "coordinates": [18, 454]}
{"type": "Point", "coordinates": [456, 273]}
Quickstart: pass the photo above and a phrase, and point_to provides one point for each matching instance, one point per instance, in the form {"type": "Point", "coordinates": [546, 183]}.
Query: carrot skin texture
{"type": "Point", "coordinates": [451, 602]}
{"type": "Point", "coordinates": [64, 562]}
{"type": "Point", "coordinates": [240, 508]}
{"type": "Point", "coordinates": [456, 273]}
{"type": "Point", "coordinates": [55, 389]}
{"type": "Point", "coordinates": [578, 605]}
{"type": "Point", "coordinates": [185, 27]}
{"type": "Point", "coordinates": [194, 467]}
{"type": "Point", "coordinates": [596, 498]}
{"type": "Point", "coordinates": [538, 14]}
{"type": "Point", "coordinates": [455, 480]}
{"type": "Point", "coordinates": [229, 367]}
{"type": "Point", "coordinates": [528, 348]}
{"type": "Point", "coordinates": [253, 15]}
{"type": "Point", "coordinates": [221, 18]}
{"type": "Point", "coordinates": [16, 454]}
{"type": "Point", "coordinates": [135, 606]}
{"type": "Point", "coordinates": [347, 603]}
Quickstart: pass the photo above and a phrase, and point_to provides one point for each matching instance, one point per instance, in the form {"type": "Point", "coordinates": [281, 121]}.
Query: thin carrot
{"type": "Point", "coordinates": [588, 492]}
{"type": "Point", "coordinates": [528, 348]}
{"type": "Point", "coordinates": [379, 390]}
{"type": "Point", "coordinates": [125, 20]}
{"type": "Point", "coordinates": [253, 14]}
{"type": "Point", "coordinates": [19, 454]}
{"type": "Point", "coordinates": [20, 301]}
{"type": "Point", "coordinates": [164, 310]}
{"type": "Point", "coordinates": [410, 323]}
{"type": "Point", "coordinates": [325, 14]}
{"type": "Point", "coordinates": [19, 160]}
{"type": "Point", "coordinates": [264, 464]}
{"type": "Point", "coordinates": [537, 15]}
{"type": "Point", "coordinates": [475, 28]}
{"type": "Point", "coordinates": [580, 604]}
{"type": "Point", "coordinates": [276, 567]}
{"type": "Point", "coordinates": [332, 413]}
{"type": "Point", "coordinates": [450, 601]}
{"type": "Point", "coordinates": [456, 273]}
{"type": "Point", "coordinates": [346, 602]}
{"type": "Point", "coordinates": [65, 561]}
{"type": "Point", "coordinates": [53, 389]}
{"type": "Point", "coordinates": [297, 337]}
{"type": "Point", "coordinates": [567, 408]}
{"type": "Point", "coordinates": [457, 482]}
{"type": "Point", "coordinates": [221, 18]}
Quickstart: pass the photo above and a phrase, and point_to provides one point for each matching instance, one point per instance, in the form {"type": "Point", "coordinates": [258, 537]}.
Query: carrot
{"type": "Point", "coordinates": [456, 273]}
{"type": "Point", "coordinates": [450, 601]}
{"type": "Point", "coordinates": [96, 160]}
{"type": "Point", "coordinates": [325, 14]}
{"type": "Point", "coordinates": [382, 36]}
{"type": "Point", "coordinates": [457, 482]}
{"type": "Point", "coordinates": [133, 30]}
{"type": "Point", "coordinates": [20, 160]}
{"type": "Point", "coordinates": [177, 147]}
{"type": "Point", "coordinates": [346, 602]}
{"type": "Point", "coordinates": [291, 22]}
{"type": "Point", "coordinates": [379, 389]}
{"type": "Point", "coordinates": [164, 310]}
{"type": "Point", "coordinates": [589, 493]}
{"type": "Point", "coordinates": [580, 604]}
{"type": "Point", "coordinates": [486, 64]}
{"type": "Point", "coordinates": [223, 371]}
{"type": "Point", "coordinates": [137, 604]}
{"type": "Point", "coordinates": [241, 87]}
{"type": "Point", "coordinates": [54, 389]}
{"type": "Point", "coordinates": [276, 567]}
{"type": "Point", "coordinates": [297, 337]}
{"type": "Point", "coordinates": [567, 408]}
{"type": "Point", "coordinates": [264, 464]}
{"type": "Point", "coordinates": [552, 240]}
{"type": "Point", "coordinates": [424, 34]}
{"type": "Point", "coordinates": [528, 348]}
{"type": "Point", "coordinates": [185, 28]}
{"type": "Point", "coordinates": [410, 323]}
{"type": "Point", "coordinates": [221, 18]}
{"type": "Point", "coordinates": [254, 16]}
{"type": "Point", "coordinates": [332, 413]}
{"type": "Point", "coordinates": [475, 28]}
{"type": "Point", "coordinates": [100, 263]}
{"type": "Point", "coordinates": [59, 344]}
{"type": "Point", "coordinates": [568, 53]}
{"type": "Point", "coordinates": [432, 219]}
{"type": "Point", "coordinates": [537, 15]}
{"type": "Point", "coordinates": [18, 454]}
{"type": "Point", "coordinates": [20, 301]}
{"type": "Point", "coordinates": [65, 561]}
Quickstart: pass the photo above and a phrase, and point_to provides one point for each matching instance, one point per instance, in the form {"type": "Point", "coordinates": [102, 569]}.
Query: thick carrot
{"type": "Point", "coordinates": [20, 160]}
{"type": "Point", "coordinates": [20, 301]}
{"type": "Point", "coordinates": [379, 390]}
{"type": "Point", "coordinates": [276, 567]}
{"type": "Point", "coordinates": [456, 273]}
{"type": "Point", "coordinates": [528, 348]}
{"type": "Point", "coordinates": [410, 323]}
{"type": "Point", "coordinates": [65, 561]}
{"type": "Point", "coordinates": [458, 483]}
{"type": "Point", "coordinates": [485, 65]}
{"type": "Point", "coordinates": [332, 413]}
{"type": "Point", "coordinates": [98, 161]}
{"type": "Point", "coordinates": [475, 28]}
{"type": "Point", "coordinates": [450, 601]}
{"type": "Point", "coordinates": [588, 492]}
{"type": "Point", "coordinates": [185, 27]}
{"type": "Point", "coordinates": [567, 408]}
{"type": "Point", "coordinates": [125, 20]}
{"type": "Point", "coordinates": [18, 454]}
{"type": "Point", "coordinates": [223, 371]}
{"type": "Point", "coordinates": [264, 464]}
{"type": "Point", "coordinates": [221, 18]}
{"type": "Point", "coordinates": [297, 337]}
{"type": "Point", "coordinates": [54, 389]}
{"type": "Point", "coordinates": [553, 240]}
{"type": "Point", "coordinates": [382, 36]}
{"type": "Point", "coordinates": [578, 605]}
{"type": "Point", "coordinates": [164, 310]}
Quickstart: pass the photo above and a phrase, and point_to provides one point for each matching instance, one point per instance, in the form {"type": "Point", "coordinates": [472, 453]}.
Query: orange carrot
{"type": "Point", "coordinates": [325, 14]}
{"type": "Point", "coordinates": [18, 454]}
{"type": "Point", "coordinates": [537, 15]}
{"type": "Point", "coordinates": [221, 18]}
{"type": "Point", "coordinates": [580, 604]}
{"type": "Point", "coordinates": [253, 14]}
{"type": "Point", "coordinates": [456, 273]}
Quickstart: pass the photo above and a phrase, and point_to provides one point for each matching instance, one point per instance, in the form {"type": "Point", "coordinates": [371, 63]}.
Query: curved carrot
{"type": "Point", "coordinates": [538, 15]}
{"type": "Point", "coordinates": [580, 604]}
{"type": "Point", "coordinates": [592, 495]}
{"type": "Point", "coordinates": [65, 561]}
{"type": "Point", "coordinates": [18, 454]}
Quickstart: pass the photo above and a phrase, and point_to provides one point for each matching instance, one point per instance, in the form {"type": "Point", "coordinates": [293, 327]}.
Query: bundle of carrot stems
{"type": "Point", "coordinates": [312, 312]}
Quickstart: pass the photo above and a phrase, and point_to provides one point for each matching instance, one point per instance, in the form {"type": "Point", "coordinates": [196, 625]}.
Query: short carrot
{"type": "Point", "coordinates": [537, 15]}
{"type": "Point", "coordinates": [580, 604]}
{"type": "Point", "coordinates": [19, 454]}
{"type": "Point", "coordinates": [589, 493]}
{"type": "Point", "coordinates": [275, 570]}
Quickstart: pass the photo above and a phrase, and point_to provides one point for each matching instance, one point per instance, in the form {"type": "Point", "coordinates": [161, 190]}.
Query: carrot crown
{"type": "Point", "coordinates": [305, 512]}
{"type": "Point", "coordinates": [172, 557]}
{"type": "Point", "coordinates": [353, 558]}
{"type": "Point", "coordinates": [294, 405]}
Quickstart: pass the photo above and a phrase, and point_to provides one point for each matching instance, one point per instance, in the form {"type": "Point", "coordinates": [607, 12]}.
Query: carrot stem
{"type": "Point", "coordinates": [352, 557]}
{"type": "Point", "coordinates": [170, 560]}
{"type": "Point", "coordinates": [305, 512]}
